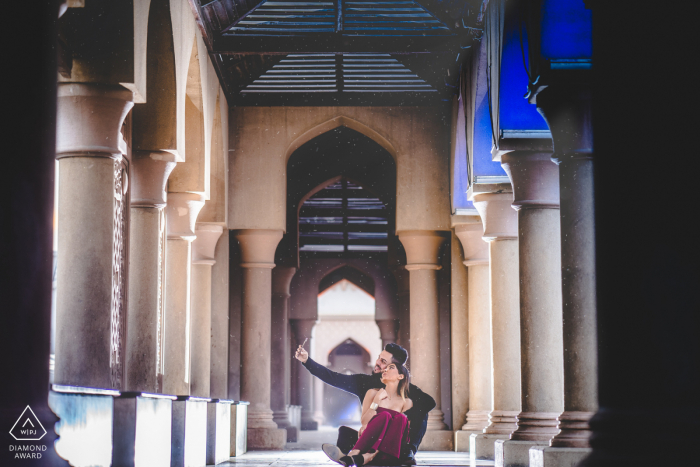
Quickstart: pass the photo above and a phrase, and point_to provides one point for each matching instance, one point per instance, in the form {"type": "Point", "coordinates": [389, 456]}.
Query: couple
{"type": "Point", "coordinates": [394, 411]}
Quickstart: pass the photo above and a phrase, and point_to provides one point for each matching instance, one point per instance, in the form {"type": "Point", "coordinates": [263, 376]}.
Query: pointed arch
{"type": "Point", "coordinates": [335, 123]}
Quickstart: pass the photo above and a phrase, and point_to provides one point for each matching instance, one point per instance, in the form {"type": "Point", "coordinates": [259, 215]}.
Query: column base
{"type": "Point", "coordinates": [239, 428]}
{"type": "Point", "coordinates": [482, 446]}
{"type": "Point", "coordinates": [309, 425]}
{"type": "Point", "coordinates": [546, 456]}
{"type": "Point", "coordinates": [218, 432]}
{"type": "Point", "coordinates": [512, 453]}
{"type": "Point", "coordinates": [437, 440]}
{"type": "Point", "coordinates": [189, 433]}
{"type": "Point", "coordinates": [462, 439]}
{"type": "Point", "coordinates": [292, 434]}
{"type": "Point", "coordinates": [266, 439]}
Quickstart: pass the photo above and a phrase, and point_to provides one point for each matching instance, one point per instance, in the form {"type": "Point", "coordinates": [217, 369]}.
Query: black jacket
{"type": "Point", "coordinates": [359, 384]}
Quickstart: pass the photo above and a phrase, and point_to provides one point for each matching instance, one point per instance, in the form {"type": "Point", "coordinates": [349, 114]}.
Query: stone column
{"type": "Point", "coordinates": [89, 309]}
{"type": "Point", "coordinates": [200, 333]}
{"type": "Point", "coordinates": [535, 183]}
{"type": "Point", "coordinates": [422, 248]}
{"type": "Point", "coordinates": [568, 113]}
{"type": "Point", "coordinates": [220, 319]}
{"type": "Point", "coordinates": [144, 335]}
{"type": "Point", "coordinates": [403, 289]}
{"type": "Point", "coordinates": [476, 259]}
{"type": "Point", "coordinates": [388, 330]}
{"type": "Point", "coordinates": [501, 233]}
{"type": "Point", "coordinates": [280, 375]}
{"type": "Point", "coordinates": [305, 382]}
{"type": "Point", "coordinates": [181, 216]}
{"type": "Point", "coordinates": [257, 260]}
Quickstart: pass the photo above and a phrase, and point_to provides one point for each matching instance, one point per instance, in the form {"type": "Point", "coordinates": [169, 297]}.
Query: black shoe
{"type": "Point", "coordinates": [333, 453]}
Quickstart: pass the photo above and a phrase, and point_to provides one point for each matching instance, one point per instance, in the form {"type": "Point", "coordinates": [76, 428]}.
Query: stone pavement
{"type": "Point", "coordinates": [307, 453]}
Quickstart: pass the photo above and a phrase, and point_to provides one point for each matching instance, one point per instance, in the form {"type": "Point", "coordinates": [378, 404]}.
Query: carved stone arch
{"type": "Point", "coordinates": [352, 274]}
{"type": "Point", "coordinates": [335, 123]}
{"type": "Point", "coordinates": [192, 175]}
{"type": "Point", "coordinates": [155, 122]}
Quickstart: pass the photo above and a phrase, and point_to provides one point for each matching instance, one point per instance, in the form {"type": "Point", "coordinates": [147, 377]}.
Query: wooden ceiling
{"type": "Point", "coordinates": [273, 52]}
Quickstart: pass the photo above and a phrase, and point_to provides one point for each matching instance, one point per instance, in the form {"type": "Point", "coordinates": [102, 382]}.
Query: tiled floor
{"type": "Point", "coordinates": [307, 453]}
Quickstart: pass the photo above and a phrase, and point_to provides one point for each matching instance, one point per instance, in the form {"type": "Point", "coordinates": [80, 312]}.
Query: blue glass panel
{"type": "Point", "coordinates": [566, 30]}
{"type": "Point", "coordinates": [460, 171]}
{"type": "Point", "coordinates": [515, 112]}
{"type": "Point", "coordinates": [483, 139]}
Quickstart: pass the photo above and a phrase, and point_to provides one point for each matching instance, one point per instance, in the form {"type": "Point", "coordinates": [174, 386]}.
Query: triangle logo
{"type": "Point", "coordinates": [28, 427]}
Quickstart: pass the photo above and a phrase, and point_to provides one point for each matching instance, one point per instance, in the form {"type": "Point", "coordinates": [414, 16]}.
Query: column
{"type": "Point", "coordinates": [403, 289]}
{"type": "Point", "coordinates": [181, 216]}
{"type": "Point", "coordinates": [476, 259]}
{"type": "Point", "coordinates": [305, 381]}
{"type": "Point", "coordinates": [568, 108]}
{"type": "Point", "coordinates": [90, 269]}
{"type": "Point", "coordinates": [144, 335]}
{"type": "Point", "coordinates": [257, 260]}
{"type": "Point", "coordinates": [501, 233]}
{"type": "Point", "coordinates": [200, 333]}
{"type": "Point", "coordinates": [535, 181]}
{"type": "Point", "coordinates": [388, 330]}
{"type": "Point", "coordinates": [220, 319]}
{"type": "Point", "coordinates": [422, 248]}
{"type": "Point", "coordinates": [280, 375]}
{"type": "Point", "coordinates": [459, 335]}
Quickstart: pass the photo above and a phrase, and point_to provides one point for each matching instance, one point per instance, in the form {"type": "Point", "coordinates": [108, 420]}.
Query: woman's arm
{"type": "Point", "coordinates": [367, 412]}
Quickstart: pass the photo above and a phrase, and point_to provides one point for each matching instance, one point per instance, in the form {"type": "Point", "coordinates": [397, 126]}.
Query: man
{"type": "Point", "coordinates": [359, 384]}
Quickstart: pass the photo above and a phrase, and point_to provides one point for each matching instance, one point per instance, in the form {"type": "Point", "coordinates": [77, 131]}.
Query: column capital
{"type": "Point", "coordinates": [567, 109]}
{"type": "Point", "coordinates": [204, 245]}
{"type": "Point", "coordinates": [282, 279]}
{"type": "Point", "coordinates": [89, 120]}
{"type": "Point", "coordinates": [258, 247]}
{"type": "Point", "coordinates": [476, 251]}
{"type": "Point", "coordinates": [500, 220]}
{"type": "Point", "coordinates": [422, 248]}
{"type": "Point", "coordinates": [150, 171]}
{"type": "Point", "coordinates": [535, 179]}
{"type": "Point", "coordinates": [182, 212]}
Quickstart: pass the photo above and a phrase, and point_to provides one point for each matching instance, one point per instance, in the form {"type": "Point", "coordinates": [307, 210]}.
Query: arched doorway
{"type": "Point", "coordinates": [339, 407]}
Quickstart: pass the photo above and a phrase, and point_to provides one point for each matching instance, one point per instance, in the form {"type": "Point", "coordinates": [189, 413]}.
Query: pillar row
{"type": "Point", "coordinates": [257, 260]}
{"type": "Point", "coordinates": [203, 248]}
{"type": "Point", "coordinates": [567, 110]}
{"type": "Point", "coordinates": [422, 249]}
{"type": "Point", "coordinates": [476, 259]}
{"type": "Point", "coordinates": [302, 329]}
{"type": "Point", "coordinates": [91, 264]}
{"type": "Point", "coordinates": [181, 215]}
{"type": "Point", "coordinates": [501, 234]}
{"type": "Point", "coordinates": [144, 344]}
{"type": "Point", "coordinates": [535, 181]}
{"type": "Point", "coordinates": [280, 368]}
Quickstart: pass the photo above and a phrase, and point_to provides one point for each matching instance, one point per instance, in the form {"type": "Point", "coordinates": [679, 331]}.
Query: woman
{"type": "Point", "coordinates": [384, 426]}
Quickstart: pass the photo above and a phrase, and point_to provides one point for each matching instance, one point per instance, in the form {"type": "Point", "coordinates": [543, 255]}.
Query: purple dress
{"type": "Point", "coordinates": [385, 432]}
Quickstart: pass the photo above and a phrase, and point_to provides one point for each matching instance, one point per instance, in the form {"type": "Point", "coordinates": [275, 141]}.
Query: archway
{"type": "Point", "coordinates": [339, 407]}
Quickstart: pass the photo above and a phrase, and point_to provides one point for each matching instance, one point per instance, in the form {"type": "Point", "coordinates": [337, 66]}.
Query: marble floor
{"type": "Point", "coordinates": [307, 453]}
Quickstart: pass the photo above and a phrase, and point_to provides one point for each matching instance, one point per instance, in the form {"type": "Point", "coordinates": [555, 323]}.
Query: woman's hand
{"type": "Point", "coordinates": [301, 354]}
{"type": "Point", "coordinates": [362, 429]}
{"type": "Point", "coordinates": [380, 396]}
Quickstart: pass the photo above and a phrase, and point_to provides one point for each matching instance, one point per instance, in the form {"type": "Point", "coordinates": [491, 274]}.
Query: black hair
{"type": "Point", "coordinates": [398, 353]}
